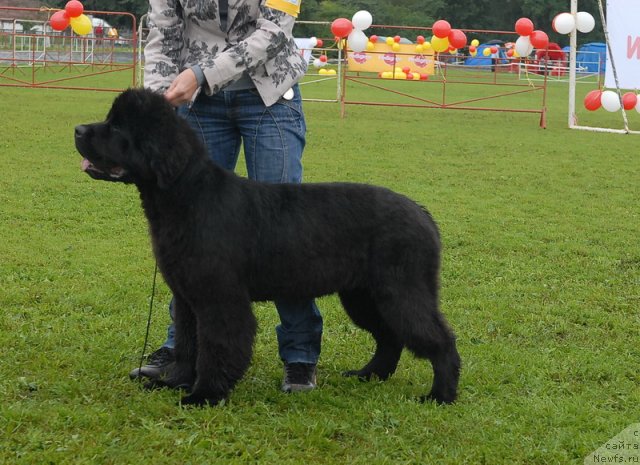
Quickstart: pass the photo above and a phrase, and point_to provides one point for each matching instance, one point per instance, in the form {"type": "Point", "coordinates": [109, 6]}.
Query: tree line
{"type": "Point", "coordinates": [467, 14]}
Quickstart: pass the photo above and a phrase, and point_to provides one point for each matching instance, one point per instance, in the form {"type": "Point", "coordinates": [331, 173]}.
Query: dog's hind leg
{"type": "Point", "coordinates": [421, 327]}
{"type": "Point", "coordinates": [226, 330]}
{"type": "Point", "coordinates": [361, 308]}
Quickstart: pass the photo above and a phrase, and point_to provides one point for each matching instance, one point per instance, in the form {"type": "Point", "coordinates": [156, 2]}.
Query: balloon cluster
{"type": "Point", "coordinates": [445, 38]}
{"type": "Point", "coordinates": [322, 59]}
{"type": "Point", "coordinates": [529, 38]}
{"type": "Point", "coordinates": [610, 101]}
{"type": "Point", "coordinates": [565, 23]}
{"type": "Point", "coordinates": [404, 74]}
{"type": "Point", "coordinates": [72, 14]}
{"type": "Point", "coordinates": [352, 30]}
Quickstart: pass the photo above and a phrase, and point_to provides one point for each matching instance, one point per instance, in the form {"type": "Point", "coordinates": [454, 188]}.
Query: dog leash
{"type": "Point", "coordinates": [146, 336]}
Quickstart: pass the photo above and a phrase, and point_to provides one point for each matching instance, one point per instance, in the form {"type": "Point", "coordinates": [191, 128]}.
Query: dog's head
{"type": "Point", "coordinates": [142, 141]}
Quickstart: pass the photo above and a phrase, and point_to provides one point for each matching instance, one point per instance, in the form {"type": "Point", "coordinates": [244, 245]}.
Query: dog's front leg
{"type": "Point", "coordinates": [226, 331]}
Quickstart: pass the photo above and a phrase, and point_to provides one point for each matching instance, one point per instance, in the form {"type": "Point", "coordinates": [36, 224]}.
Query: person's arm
{"type": "Point", "coordinates": [164, 44]}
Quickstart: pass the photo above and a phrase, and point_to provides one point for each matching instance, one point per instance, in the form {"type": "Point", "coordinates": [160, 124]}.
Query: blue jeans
{"type": "Point", "coordinates": [273, 139]}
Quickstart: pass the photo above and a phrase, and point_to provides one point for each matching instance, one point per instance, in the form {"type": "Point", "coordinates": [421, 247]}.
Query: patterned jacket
{"type": "Point", "coordinates": [259, 40]}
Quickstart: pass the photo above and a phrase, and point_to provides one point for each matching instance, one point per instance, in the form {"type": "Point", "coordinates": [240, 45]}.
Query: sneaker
{"type": "Point", "coordinates": [299, 377]}
{"type": "Point", "coordinates": [156, 366]}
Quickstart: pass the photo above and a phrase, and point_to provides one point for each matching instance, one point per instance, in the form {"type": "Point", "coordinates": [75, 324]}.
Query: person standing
{"type": "Point", "coordinates": [231, 68]}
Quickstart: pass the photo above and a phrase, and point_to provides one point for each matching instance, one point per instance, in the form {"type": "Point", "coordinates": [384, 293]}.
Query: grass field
{"type": "Point", "coordinates": [540, 280]}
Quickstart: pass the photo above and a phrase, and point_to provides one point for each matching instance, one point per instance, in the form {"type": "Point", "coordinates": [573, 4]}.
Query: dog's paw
{"type": "Point", "coordinates": [437, 399]}
{"type": "Point", "coordinates": [197, 400]}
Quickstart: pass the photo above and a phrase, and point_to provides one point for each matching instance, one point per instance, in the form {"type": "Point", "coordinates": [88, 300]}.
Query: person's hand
{"type": "Point", "coordinates": [182, 88]}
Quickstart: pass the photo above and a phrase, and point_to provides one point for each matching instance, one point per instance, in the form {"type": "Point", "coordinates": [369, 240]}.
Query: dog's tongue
{"type": "Point", "coordinates": [85, 164]}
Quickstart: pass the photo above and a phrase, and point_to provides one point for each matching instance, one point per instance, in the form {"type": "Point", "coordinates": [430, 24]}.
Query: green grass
{"type": "Point", "coordinates": [540, 280]}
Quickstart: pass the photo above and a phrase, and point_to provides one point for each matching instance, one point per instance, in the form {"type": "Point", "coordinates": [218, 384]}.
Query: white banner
{"type": "Point", "coordinates": [623, 23]}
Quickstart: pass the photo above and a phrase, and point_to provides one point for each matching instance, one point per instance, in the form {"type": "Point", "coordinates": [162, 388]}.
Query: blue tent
{"type": "Point", "coordinates": [590, 55]}
{"type": "Point", "coordinates": [481, 60]}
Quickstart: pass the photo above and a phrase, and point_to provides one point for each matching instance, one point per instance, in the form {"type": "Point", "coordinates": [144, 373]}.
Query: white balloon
{"type": "Point", "coordinates": [638, 104]}
{"type": "Point", "coordinates": [357, 41]}
{"type": "Point", "coordinates": [585, 22]}
{"type": "Point", "coordinates": [564, 23]}
{"type": "Point", "coordinates": [610, 101]}
{"type": "Point", "coordinates": [318, 63]}
{"type": "Point", "coordinates": [523, 46]}
{"type": "Point", "coordinates": [361, 20]}
{"type": "Point", "coordinates": [313, 42]}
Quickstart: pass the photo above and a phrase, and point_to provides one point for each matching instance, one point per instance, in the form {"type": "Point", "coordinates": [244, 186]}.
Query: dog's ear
{"type": "Point", "coordinates": [167, 167]}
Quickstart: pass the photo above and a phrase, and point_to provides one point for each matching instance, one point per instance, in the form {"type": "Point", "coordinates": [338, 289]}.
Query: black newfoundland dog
{"type": "Point", "coordinates": [222, 241]}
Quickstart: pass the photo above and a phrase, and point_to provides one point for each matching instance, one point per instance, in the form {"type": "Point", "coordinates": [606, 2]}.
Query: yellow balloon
{"type": "Point", "coordinates": [418, 48]}
{"type": "Point", "coordinates": [486, 52]}
{"type": "Point", "coordinates": [416, 76]}
{"type": "Point", "coordinates": [473, 53]}
{"type": "Point", "coordinates": [395, 47]}
{"type": "Point", "coordinates": [323, 71]}
{"type": "Point", "coordinates": [81, 25]}
{"type": "Point", "coordinates": [439, 45]}
{"type": "Point", "coordinates": [475, 42]}
{"type": "Point", "coordinates": [454, 51]}
{"type": "Point", "coordinates": [389, 41]}
{"type": "Point", "coordinates": [370, 45]}
{"type": "Point", "coordinates": [331, 72]}
{"type": "Point", "coordinates": [426, 46]}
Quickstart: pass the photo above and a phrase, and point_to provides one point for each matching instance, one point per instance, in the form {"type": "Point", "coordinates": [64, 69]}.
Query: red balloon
{"type": "Point", "coordinates": [373, 39]}
{"type": "Point", "coordinates": [396, 39]}
{"type": "Point", "coordinates": [539, 39]}
{"type": "Point", "coordinates": [441, 29]}
{"type": "Point", "coordinates": [74, 8]}
{"type": "Point", "coordinates": [493, 49]}
{"type": "Point", "coordinates": [420, 39]}
{"type": "Point", "coordinates": [524, 26]}
{"type": "Point", "coordinates": [406, 69]}
{"type": "Point", "coordinates": [59, 20]}
{"type": "Point", "coordinates": [592, 101]}
{"type": "Point", "coordinates": [629, 100]}
{"type": "Point", "coordinates": [341, 27]}
{"type": "Point", "coordinates": [457, 38]}
{"type": "Point", "coordinates": [510, 52]}
{"type": "Point", "coordinates": [319, 43]}
{"type": "Point", "coordinates": [323, 58]}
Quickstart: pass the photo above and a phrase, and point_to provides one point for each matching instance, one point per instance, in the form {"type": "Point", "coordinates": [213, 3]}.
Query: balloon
{"type": "Point", "coordinates": [370, 46]}
{"type": "Point", "coordinates": [539, 39]}
{"type": "Point", "coordinates": [523, 46]}
{"type": "Point", "coordinates": [441, 29]}
{"type": "Point", "coordinates": [426, 46]}
{"type": "Point", "coordinates": [397, 39]}
{"type": "Point", "coordinates": [323, 58]}
{"type": "Point", "coordinates": [585, 22]}
{"type": "Point", "coordinates": [439, 44]}
{"type": "Point", "coordinates": [420, 40]}
{"type": "Point", "coordinates": [592, 101]}
{"type": "Point", "coordinates": [629, 100]}
{"type": "Point", "coordinates": [323, 71]}
{"type": "Point", "coordinates": [357, 41]}
{"type": "Point", "coordinates": [524, 26]}
{"type": "Point", "coordinates": [563, 23]}
{"type": "Point", "coordinates": [331, 71]}
{"type": "Point", "coordinates": [406, 69]}
{"type": "Point", "coordinates": [313, 42]}
{"type": "Point", "coordinates": [395, 47]}
{"type": "Point", "coordinates": [362, 20]}
{"type": "Point", "coordinates": [341, 27]}
{"type": "Point", "coordinates": [472, 48]}
{"type": "Point", "coordinates": [59, 20]}
{"type": "Point", "coordinates": [419, 48]}
{"type": "Point", "coordinates": [510, 52]}
{"type": "Point", "coordinates": [475, 42]}
{"type": "Point", "coordinates": [409, 76]}
{"type": "Point", "coordinates": [457, 38]}
{"type": "Point", "coordinates": [74, 8]}
{"type": "Point", "coordinates": [319, 43]}
{"type": "Point", "coordinates": [610, 101]}
{"type": "Point", "coordinates": [373, 39]}
{"type": "Point", "coordinates": [389, 40]}
{"type": "Point", "coordinates": [81, 25]}
{"type": "Point", "coordinates": [493, 49]}
{"type": "Point", "coordinates": [474, 53]}
{"type": "Point", "coordinates": [486, 52]}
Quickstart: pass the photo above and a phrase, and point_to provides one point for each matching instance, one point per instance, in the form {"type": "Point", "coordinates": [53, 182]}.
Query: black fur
{"type": "Point", "coordinates": [222, 241]}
